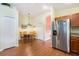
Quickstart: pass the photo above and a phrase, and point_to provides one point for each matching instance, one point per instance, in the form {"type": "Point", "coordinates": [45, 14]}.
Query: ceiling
{"type": "Point", "coordinates": [37, 8]}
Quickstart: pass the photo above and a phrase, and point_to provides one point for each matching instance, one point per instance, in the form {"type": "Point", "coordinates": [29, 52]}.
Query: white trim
{"type": "Point", "coordinates": [9, 47]}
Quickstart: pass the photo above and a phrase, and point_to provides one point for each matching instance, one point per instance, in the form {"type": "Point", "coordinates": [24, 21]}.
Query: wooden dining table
{"type": "Point", "coordinates": [27, 37]}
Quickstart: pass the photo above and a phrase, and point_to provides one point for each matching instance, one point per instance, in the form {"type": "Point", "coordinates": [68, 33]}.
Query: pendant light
{"type": "Point", "coordinates": [29, 21]}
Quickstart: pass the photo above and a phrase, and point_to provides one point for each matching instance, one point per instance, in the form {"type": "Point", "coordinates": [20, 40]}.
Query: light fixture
{"type": "Point", "coordinates": [45, 7]}
{"type": "Point", "coordinates": [29, 23]}
{"type": "Point", "coordinates": [29, 19]}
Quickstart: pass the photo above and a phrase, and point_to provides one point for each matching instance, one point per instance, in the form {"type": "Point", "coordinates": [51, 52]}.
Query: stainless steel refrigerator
{"type": "Point", "coordinates": [61, 35]}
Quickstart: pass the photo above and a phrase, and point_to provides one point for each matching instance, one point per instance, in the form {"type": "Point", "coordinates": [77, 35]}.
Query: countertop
{"type": "Point", "coordinates": [75, 35]}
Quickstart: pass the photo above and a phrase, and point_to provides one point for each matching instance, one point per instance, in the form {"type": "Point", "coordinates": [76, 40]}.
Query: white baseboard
{"type": "Point", "coordinates": [16, 45]}
{"type": "Point", "coordinates": [7, 48]}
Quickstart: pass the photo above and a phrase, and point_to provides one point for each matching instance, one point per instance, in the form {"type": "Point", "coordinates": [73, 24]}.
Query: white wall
{"type": "Point", "coordinates": [40, 24]}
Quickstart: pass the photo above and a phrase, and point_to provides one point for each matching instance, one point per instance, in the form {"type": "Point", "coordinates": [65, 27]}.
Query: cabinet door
{"type": "Point", "coordinates": [75, 44]}
{"type": "Point", "coordinates": [75, 19]}
{"type": "Point", "coordinates": [78, 46]}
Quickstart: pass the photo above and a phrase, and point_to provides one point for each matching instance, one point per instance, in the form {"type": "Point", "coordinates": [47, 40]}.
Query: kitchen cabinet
{"type": "Point", "coordinates": [75, 44]}
{"type": "Point", "coordinates": [74, 18]}
{"type": "Point", "coordinates": [62, 17]}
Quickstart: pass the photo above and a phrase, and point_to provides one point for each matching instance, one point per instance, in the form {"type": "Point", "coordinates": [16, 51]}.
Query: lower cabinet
{"type": "Point", "coordinates": [75, 44]}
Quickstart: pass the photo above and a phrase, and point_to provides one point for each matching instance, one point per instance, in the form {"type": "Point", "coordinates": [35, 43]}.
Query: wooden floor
{"type": "Point", "coordinates": [34, 48]}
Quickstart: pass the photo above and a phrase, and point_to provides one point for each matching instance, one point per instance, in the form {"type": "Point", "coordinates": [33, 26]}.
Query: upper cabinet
{"type": "Point", "coordinates": [62, 18]}
{"type": "Point", "coordinates": [74, 18]}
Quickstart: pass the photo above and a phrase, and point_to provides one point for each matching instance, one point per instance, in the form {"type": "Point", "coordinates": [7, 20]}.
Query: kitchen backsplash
{"type": "Point", "coordinates": [75, 30]}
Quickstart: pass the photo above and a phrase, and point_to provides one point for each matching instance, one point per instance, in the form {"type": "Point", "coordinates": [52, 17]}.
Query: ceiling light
{"type": "Point", "coordinates": [45, 7]}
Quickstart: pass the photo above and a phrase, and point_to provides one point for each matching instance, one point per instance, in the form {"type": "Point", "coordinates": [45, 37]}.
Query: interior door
{"type": "Point", "coordinates": [9, 34]}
